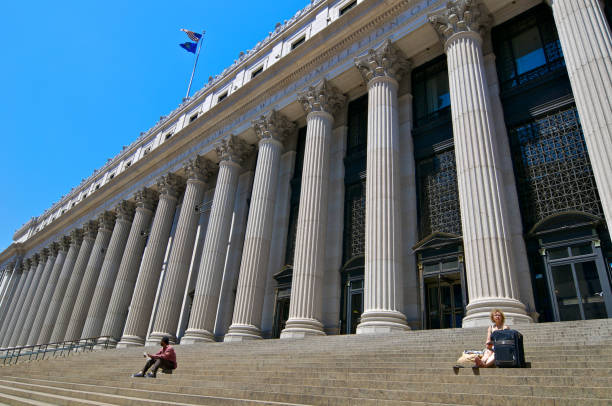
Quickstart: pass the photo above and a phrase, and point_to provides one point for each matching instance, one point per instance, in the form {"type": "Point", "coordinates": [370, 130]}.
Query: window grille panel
{"type": "Point", "coordinates": [354, 229]}
{"type": "Point", "coordinates": [439, 195]}
{"type": "Point", "coordinates": [553, 170]}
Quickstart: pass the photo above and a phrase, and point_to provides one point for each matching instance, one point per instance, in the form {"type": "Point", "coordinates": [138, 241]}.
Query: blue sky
{"type": "Point", "coordinates": [78, 80]}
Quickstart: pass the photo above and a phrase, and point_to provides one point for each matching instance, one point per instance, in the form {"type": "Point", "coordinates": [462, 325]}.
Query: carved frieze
{"type": "Point", "coordinates": [460, 16]}
{"type": "Point", "coordinates": [170, 184]}
{"type": "Point", "coordinates": [146, 198]}
{"type": "Point", "coordinates": [232, 149]}
{"type": "Point", "coordinates": [125, 210]}
{"type": "Point", "coordinates": [273, 125]}
{"type": "Point", "coordinates": [321, 97]}
{"type": "Point", "coordinates": [386, 60]}
{"type": "Point", "coordinates": [199, 168]}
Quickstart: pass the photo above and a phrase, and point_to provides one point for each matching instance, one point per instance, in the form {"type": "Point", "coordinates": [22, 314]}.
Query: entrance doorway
{"type": "Point", "coordinates": [444, 299]}
{"type": "Point", "coordinates": [352, 295]}
{"type": "Point", "coordinates": [282, 300]}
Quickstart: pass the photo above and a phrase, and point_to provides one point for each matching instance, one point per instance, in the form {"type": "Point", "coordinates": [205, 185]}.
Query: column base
{"type": "Point", "coordinates": [193, 336]}
{"type": "Point", "coordinates": [155, 338]}
{"type": "Point", "coordinates": [382, 322]}
{"type": "Point", "coordinates": [302, 328]}
{"type": "Point", "coordinates": [105, 343]}
{"type": "Point", "coordinates": [242, 332]}
{"type": "Point", "coordinates": [131, 341]}
{"type": "Point", "coordinates": [478, 312]}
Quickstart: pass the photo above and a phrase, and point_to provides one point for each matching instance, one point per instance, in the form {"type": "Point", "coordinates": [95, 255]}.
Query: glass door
{"type": "Point", "coordinates": [281, 311]}
{"type": "Point", "coordinates": [444, 300]}
{"type": "Point", "coordinates": [580, 289]}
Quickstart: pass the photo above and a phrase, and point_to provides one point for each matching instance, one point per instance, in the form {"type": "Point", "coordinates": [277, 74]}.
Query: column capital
{"type": "Point", "coordinates": [384, 61]}
{"type": "Point", "coordinates": [273, 126]}
{"type": "Point", "coordinates": [460, 16]}
{"type": "Point", "coordinates": [90, 229]}
{"type": "Point", "coordinates": [322, 97]}
{"type": "Point", "coordinates": [44, 254]}
{"type": "Point", "coordinates": [106, 220]}
{"type": "Point", "coordinates": [76, 236]}
{"type": "Point", "coordinates": [64, 243]}
{"type": "Point", "coordinates": [170, 185]}
{"type": "Point", "coordinates": [198, 168]}
{"type": "Point", "coordinates": [125, 210]}
{"type": "Point", "coordinates": [10, 266]}
{"type": "Point", "coordinates": [54, 248]}
{"type": "Point", "coordinates": [232, 149]}
{"type": "Point", "coordinates": [146, 199]}
{"type": "Point", "coordinates": [34, 260]}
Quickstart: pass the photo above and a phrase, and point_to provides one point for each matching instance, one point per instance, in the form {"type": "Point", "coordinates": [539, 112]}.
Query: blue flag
{"type": "Point", "coordinates": [189, 46]}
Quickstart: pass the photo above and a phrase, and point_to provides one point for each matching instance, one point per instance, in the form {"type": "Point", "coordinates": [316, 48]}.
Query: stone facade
{"type": "Point", "coordinates": [390, 171]}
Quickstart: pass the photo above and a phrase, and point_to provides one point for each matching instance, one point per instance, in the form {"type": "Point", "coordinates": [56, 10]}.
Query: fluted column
{"type": "Point", "coordinates": [586, 41]}
{"type": "Point", "coordinates": [12, 313]}
{"type": "Point", "coordinates": [381, 69]}
{"type": "Point", "coordinates": [128, 272]}
{"type": "Point", "coordinates": [99, 255]}
{"type": "Point", "coordinates": [76, 277]}
{"type": "Point", "coordinates": [45, 301]}
{"type": "Point", "coordinates": [34, 310]}
{"type": "Point", "coordinates": [305, 312]}
{"type": "Point", "coordinates": [41, 259]}
{"type": "Point", "coordinates": [76, 238]}
{"type": "Point", "coordinates": [9, 293]}
{"type": "Point", "coordinates": [198, 171]}
{"type": "Point", "coordinates": [143, 297]}
{"type": "Point", "coordinates": [231, 152]}
{"type": "Point", "coordinates": [489, 261]}
{"type": "Point", "coordinates": [101, 292]}
{"type": "Point", "coordinates": [271, 129]}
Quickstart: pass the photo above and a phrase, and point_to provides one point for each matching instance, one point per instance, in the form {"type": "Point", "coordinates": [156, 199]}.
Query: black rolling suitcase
{"type": "Point", "coordinates": [508, 347]}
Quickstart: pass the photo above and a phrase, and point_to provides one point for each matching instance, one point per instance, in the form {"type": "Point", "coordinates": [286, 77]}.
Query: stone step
{"type": "Point", "coordinates": [323, 397]}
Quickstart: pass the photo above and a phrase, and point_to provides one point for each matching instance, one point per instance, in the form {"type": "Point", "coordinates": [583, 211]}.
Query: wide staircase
{"type": "Point", "coordinates": [571, 364]}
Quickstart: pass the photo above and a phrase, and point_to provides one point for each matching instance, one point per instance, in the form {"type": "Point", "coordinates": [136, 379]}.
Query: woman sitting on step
{"type": "Point", "coordinates": [488, 357]}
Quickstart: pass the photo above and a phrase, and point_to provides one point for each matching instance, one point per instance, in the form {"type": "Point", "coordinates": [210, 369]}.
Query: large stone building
{"type": "Point", "coordinates": [370, 166]}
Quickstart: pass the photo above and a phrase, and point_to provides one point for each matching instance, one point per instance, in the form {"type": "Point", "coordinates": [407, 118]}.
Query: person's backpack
{"type": "Point", "coordinates": [508, 347]}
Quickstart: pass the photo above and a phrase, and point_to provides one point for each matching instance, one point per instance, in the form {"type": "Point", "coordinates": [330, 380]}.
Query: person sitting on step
{"type": "Point", "coordinates": [165, 359]}
{"type": "Point", "coordinates": [488, 357]}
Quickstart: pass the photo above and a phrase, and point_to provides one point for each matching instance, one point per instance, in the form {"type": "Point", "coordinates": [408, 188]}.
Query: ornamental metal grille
{"type": "Point", "coordinates": [355, 206]}
{"type": "Point", "coordinates": [553, 170]}
{"type": "Point", "coordinates": [439, 195]}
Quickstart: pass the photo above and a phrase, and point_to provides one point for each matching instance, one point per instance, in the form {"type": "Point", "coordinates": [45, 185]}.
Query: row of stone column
{"type": "Point", "coordinates": [83, 284]}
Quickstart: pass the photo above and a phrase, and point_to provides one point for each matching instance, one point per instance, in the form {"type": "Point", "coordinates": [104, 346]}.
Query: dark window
{"type": "Point", "coordinates": [127, 165]}
{"type": "Point", "coordinates": [97, 186]}
{"type": "Point", "coordinates": [438, 194]}
{"type": "Point", "coordinates": [221, 97]}
{"type": "Point", "coordinates": [193, 118]}
{"type": "Point", "coordinates": [112, 175]}
{"type": "Point", "coordinates": [297, 43]}
{"type": "Point", "coordinates": [348, 7]}
{"type": "Point", "coordinates": [527, 48]}
{"type": "Point", "coordinates": [431, 91]}
{"type": "Point", "coordinates": [257, 72]}
{"type": "Point", "coordinates": [84, 195]}
{"type": "Point", "coordinates": [168, 136]}
{"type": "Point", "coordinates": [552, 167]}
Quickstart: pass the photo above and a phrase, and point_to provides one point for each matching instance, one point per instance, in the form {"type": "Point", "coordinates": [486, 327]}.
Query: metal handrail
{"type": "Point", "coordinates": [11, 356]}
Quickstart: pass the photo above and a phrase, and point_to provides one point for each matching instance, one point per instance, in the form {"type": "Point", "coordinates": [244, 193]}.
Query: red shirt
{"type": "Point", "coordinates": [168, 354]}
